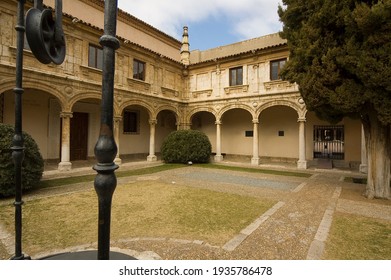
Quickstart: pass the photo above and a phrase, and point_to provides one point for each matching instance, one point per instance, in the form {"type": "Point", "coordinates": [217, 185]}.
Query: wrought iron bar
{"type": "Point", "coordinates": [17, 142]}
{"type": "Point", "coordinates": [106, 148]}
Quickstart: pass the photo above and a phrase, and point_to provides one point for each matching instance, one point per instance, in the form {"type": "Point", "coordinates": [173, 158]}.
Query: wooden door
{"type": "Point", "coordinates": [79, 136]}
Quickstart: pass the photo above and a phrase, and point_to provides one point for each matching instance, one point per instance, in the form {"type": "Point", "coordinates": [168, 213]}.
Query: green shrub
{"type": "Point", "coordinates": [32, 165]}
{"type": "Point", "coordinates": [183, 146]}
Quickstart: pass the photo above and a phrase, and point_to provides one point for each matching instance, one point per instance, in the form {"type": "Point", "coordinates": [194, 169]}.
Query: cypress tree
{"type": "Point", "coordinates": [341, 59]}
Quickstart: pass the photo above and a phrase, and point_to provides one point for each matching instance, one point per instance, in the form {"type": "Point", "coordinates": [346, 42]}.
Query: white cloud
{"type": "Point", "coordinates": [248, 18]}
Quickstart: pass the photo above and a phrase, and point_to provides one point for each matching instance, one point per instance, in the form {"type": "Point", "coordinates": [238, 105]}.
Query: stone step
{"type": "Point", "coordinates": [325, 164]}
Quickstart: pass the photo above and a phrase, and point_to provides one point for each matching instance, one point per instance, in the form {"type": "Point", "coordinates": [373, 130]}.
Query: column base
{"type": "Point", "coordinates": [65, 166]}
{"type": "Point", "coordinates": [255, 161]}
{"type": "Point", "coordinates": [218, 158]}
{"type": "Point", "coordinates": [151, 158]}
{"type": "Point", "coordinates": [363, 168]}
{"type": "Point", "coordinates": [302, 164]}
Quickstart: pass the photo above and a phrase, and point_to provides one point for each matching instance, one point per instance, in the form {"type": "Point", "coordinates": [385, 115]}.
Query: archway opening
{"type": "Point", "coordinates": [40, 118]}
{"type": "Point", "coordinates": [279, 134]}
{"type": "Point", "coordinates": [166, 122]}
{"type": "Point", "coordinates": [237, 135]}
{"type": "Point", "coordinates": [206, 123]}
{"type": "Point", "coordinates": [134, 133]}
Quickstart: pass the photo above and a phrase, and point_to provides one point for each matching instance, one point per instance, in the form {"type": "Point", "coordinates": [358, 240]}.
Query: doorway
{"type": "Point", "coordinates": [79, 136]}
{"type": "Point", "coordinates": [329, 141]}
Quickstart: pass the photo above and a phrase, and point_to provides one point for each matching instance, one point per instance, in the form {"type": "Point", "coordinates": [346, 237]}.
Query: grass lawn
{"type": "Point", "coordinates": [140, 209]}
{"type": "Point", "coordinates": [119, 174]}
{"type": "Point", "coordinates": [354, 237]}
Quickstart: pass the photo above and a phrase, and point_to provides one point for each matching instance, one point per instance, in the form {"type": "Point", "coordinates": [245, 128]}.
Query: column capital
{"type": "Point", "coordinates": [117, 118]}
{"type": "Point", "coordinates": [301, 119]}
{"type": "Point", "coordinates": [66, 114]}
{"type": "Point", "coordinates": [218, 122]}
{"type": "Point", "coordinates": [255, 121]}
{"type": "Point", "coordinates": [152, 121]}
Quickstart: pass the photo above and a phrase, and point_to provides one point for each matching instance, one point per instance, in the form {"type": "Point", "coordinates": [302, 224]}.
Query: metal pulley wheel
{"type": "Point", "coordinates": [45, 35]}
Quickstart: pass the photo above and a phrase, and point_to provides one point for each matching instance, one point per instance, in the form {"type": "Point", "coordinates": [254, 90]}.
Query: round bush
{"type": "Point", "coordinates": [32, 165]}
{"type": "Point", "coordinates": [182, 146]}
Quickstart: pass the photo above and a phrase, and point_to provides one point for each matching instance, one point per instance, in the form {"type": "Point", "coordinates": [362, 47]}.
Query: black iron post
{"type": "Point", "coordinates": [106, 149]}
{"type": "Point", "coordinates": [17, 143]}
{"type": "Point", "coordinates": [56, 57]}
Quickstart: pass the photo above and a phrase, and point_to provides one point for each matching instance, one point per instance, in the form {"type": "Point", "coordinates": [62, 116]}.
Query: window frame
{"type": "Point", "coordinates": [277, 76]}
{"type": "Point", "coordinates": [94, 62]}
{"type": "Point", "coordinates": [139, 75]}
{"type": "Point", "coordinates": [236, 76]}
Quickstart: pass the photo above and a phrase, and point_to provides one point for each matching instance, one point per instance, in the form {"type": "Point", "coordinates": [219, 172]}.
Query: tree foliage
{"type": "Point", "coordinates": [32, 165]}
{"type": "Point", "coordinates": [183, 146]}
{"type": "Point", "coordinates": [340, 56]}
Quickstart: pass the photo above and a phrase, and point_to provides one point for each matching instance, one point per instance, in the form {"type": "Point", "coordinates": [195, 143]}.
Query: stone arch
{"type": "Point", "coordinates": [286, 103]}
{"type": "Point", "coordinates": [80, 96]}
{"type": "Point", "coordinates": [196, 110]}
{"type": "Point", "coordinates": [137, 102]}
{"type": "Point", "coordinates": [37, 85]}
{"type": "Point", "coordinates": [166, 107]}
{"type": "Point", "coordinates": [227, 108]}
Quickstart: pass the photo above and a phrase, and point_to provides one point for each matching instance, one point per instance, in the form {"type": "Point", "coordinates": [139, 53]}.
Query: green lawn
{"type": "Point", "coordinates": [354, 237]}
{"type": "Point", "coordinates": [140, 209]}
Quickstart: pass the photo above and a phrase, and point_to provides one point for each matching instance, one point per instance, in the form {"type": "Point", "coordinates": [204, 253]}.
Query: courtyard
{"type": "Point", "coordinates": [224, 211]}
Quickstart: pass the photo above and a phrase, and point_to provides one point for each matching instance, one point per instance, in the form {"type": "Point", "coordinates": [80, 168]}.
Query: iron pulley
{"type": "Point", "coordinates": [45, 34]}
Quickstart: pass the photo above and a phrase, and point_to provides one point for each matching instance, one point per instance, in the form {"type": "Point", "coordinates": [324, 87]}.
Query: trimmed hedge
{"type": "Point", "coordinates": [183, 146]}
{"type": "Point", "coordinates": [32, 165]}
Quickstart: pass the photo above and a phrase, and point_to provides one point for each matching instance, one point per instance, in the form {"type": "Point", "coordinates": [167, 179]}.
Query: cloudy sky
{"type": "Point", "coordinates": [211, 23]}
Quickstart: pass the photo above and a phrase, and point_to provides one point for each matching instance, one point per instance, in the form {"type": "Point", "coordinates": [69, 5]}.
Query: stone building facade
{"type": "Point", "coordinates": [232, 93]}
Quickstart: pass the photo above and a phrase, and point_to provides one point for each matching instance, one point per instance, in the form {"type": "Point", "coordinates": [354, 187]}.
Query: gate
{"type": "Point", "coordinates": [329, 141]}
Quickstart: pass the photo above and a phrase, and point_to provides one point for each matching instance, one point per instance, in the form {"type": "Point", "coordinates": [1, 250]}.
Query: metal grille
{"type": "Point", "coordinates": [329, 141]}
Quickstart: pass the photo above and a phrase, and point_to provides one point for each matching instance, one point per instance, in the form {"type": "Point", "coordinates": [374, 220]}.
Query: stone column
{"type": "Point", "coordinates": [117, 121]}
{"type": "Point", "coordinates": [255, 158]}
{"type": "Point", "coordinates": [65, 164]}
{"type": "Point", "coordinates": [364, 156]}
{"type": "Point", "coordinates": [152, 156]}
{"type": "Point", "coordinates": [302, 163]}
{"type": "Point", "coordinates": [218, 157]}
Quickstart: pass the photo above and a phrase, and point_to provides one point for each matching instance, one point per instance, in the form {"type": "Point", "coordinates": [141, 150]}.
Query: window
{"type": "Point", "coordinates": [236, 76]}
{"type": "Point", "coordinates": [131, 122]}
{"type": "Point", "coordinates": [95, 57]}
{"type": "Point", "coordinates": [138, 70]}
{"type": "Point", "coordinates": [275, 69]}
